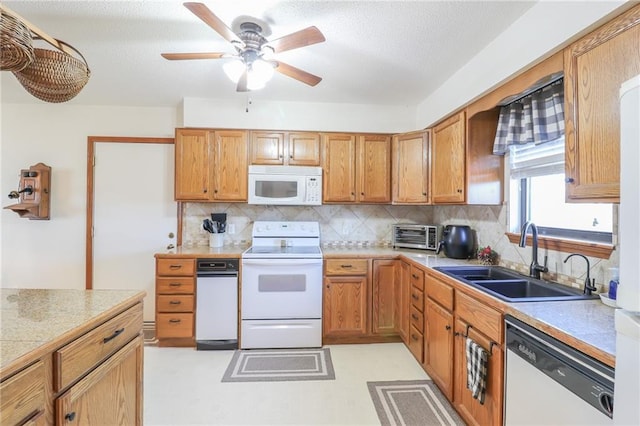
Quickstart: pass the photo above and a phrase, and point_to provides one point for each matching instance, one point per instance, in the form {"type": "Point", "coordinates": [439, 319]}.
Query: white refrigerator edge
{"type": "Point", "coordinates": [627, 319]}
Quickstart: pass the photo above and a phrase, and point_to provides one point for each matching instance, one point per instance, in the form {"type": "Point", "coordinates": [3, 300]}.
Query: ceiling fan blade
{"type": "Point", "coordinates": [202, 55]}
{"type": "Point", "coordinates": [242, 83]}
{"type": "Point", "coordinates": [207, 16]}
{"type": "Point", "coordinates": [301, 38]}
{"type": "Point", "coordinates": [297, 73]}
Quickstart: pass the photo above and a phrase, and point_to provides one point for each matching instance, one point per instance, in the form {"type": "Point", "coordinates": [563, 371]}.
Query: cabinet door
{"type": "Point", "coordinates": [345, 306]}
{"type": "Point", "coordinates": [448, 167]}
{"type": "Point", "coordinates": [410, 174]}
{"type": "Point", "coordinates": [438, 347]}
{"type": "Point", "coordinates": [109, 395]}
{"type": "Point", "coordinates": [403, 301]}
{"type": "Point", "coordinates": [193, 172]}
{"type": "Point", "coordinates": [385, 278]}
{"type": "Point", "coordinates": [230, 165]}
{"type": "Point", "coordinates": [304, 149]}
{"type": "Point", "coordinates": [595, 67]}
{"type": "Point", "coordinates": [374, 169]}
{"type": "Point", "coordinates": [474, 413]}
{"type": "Point", "coordinates": [267, 148]}
{"type": "Point", "coordinates": [339, 167]}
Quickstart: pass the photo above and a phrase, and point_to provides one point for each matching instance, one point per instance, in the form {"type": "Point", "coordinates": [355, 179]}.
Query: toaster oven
{"type": "Point", "coordinates": [408, 235]}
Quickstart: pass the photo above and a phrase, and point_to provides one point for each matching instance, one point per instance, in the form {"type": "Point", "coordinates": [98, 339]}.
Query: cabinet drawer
{"type": "Point", "coordinates": [441, 293]}
{"type": "Point", "coordinates": [175, 285]}
{"type": "Point", "coordinates": [346, 267]}
{"type": "Point", "coordinates": [175, 303]}
{"type": "Point", "coordinates": [22, 396]}
{"type": "Point", "coordinates": [417, 319]}
{"type": "Point", "coordinates": [485, 319]}
{"type": "Point", "coordinates": [417, 298]}
{"type": "Point", "coordinates": [176, 267]}
{"type": "Point", "coordinates": [174, 325]}
{"type": "Point", "coordinates": [416, 342]}
{"type": "Point", "coordinates": [417, 277]}
{"type": "Point", "coordinates": [81, 355]}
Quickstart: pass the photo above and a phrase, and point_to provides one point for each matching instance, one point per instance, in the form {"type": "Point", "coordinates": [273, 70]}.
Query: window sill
{"type": "Point", "coordinates": [602, 251]}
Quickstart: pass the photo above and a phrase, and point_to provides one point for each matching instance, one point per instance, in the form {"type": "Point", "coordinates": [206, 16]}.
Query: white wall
{"type": "Point", "coordinates": [51, 253]}
{"type": "Point", "coordinates": [540, 31]}
{"type": "Point", "coordinates": [297, 116]}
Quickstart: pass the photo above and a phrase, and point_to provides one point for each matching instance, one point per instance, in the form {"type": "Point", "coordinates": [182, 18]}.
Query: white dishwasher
{"type": "Point", "coordinates": [550, 383]}
{"type": "Point", "coordinates": [217, 304]}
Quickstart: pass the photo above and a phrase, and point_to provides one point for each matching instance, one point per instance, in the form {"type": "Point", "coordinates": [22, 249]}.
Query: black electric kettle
{"type": "Point", "coordinates": [457, 242]}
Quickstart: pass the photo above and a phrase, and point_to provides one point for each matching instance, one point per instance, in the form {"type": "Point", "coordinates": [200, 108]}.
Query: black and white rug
{"type": "Point", "coordinates": [277, 365]}
{"type": "Point", "coordinates": [412, 402]}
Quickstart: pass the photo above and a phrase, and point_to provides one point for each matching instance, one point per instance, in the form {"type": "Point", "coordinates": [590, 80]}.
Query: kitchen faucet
{"type": "Point", "coordinates": [534, 268]}
{"type": "Point", "coordinates": [589, 284]}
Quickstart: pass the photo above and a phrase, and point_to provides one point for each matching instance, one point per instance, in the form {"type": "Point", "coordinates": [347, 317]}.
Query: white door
{"type": "Point", "coordinates": [134, 213]}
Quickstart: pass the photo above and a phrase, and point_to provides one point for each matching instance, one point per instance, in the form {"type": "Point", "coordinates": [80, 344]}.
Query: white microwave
{"type": "Point", "coordinates": [285, 185]}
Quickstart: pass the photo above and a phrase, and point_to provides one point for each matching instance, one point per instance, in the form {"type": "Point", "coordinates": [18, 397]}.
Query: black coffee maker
{"type": "Point", "coordinates": [457, 242]}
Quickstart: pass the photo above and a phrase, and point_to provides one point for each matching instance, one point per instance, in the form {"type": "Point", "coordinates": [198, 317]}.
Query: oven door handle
{"type": "Point", "coordinates": [281, 262]}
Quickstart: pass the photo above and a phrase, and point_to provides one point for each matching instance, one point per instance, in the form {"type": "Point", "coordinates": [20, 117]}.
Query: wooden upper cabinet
{"type": "Point", "coordinates": [410, 171]}
{"type": "Point", "coordinates": [193, 156]}
{"type": "Point", "coordinates": [448, 153]}
{"type": "Point", "coordinates": [285, 148]}
{"type": "Point", "coordinates": [374, 169]}
{"type": "Point", "coordinates": [595, 67]}
{"type": "Point", "coordinates": [339, 167]}
{"type": "Point", "coordinates": [230, 169]}
{"type": "Point", "coordinates": [303, 149]}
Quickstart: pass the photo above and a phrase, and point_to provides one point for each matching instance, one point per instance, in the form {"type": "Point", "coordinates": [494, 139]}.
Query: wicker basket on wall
{"type": "Point", "coordinates": [15, 43]}
{"type": "Point", "coordinates": [54, 76]}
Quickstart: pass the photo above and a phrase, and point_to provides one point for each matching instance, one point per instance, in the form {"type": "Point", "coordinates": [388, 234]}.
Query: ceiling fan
{"type": "Point", "coordinates": [252, 65]}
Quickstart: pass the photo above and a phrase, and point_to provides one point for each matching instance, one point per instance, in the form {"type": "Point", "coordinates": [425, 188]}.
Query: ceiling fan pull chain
{"type": "Point", "coordinates": [249, 102]}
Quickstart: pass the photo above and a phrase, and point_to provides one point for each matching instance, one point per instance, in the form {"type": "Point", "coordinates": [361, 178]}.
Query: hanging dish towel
{"type": "Point", "coordinates": [476, 369]}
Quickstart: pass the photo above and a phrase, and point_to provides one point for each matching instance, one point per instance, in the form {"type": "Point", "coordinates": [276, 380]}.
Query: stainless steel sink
{"type": "Point", "coordinates": [511, 286]}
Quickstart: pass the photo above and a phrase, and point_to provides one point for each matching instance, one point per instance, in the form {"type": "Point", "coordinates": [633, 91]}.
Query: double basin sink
{"type": "Point", "coordinates": [511, 286]}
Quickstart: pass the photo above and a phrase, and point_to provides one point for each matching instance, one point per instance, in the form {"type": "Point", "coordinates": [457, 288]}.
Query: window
{"type": "Point", "coordinates": [537, 185]}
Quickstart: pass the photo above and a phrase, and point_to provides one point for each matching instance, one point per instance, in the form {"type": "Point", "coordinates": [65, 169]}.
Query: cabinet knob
{"type": "Point", "coordinates": [279, 156]}
{"type": "Point", "coordinates": [459, 191]}
{"type": "Point", "coordinates": [424, 193]}
{"type": "Point", "coordinates": [204, 190]}
{"type": "Point", "coordinates": [291, 156]}
{"type": "Point", "coordinates": [70, 416]}
{"type": "Point", "coordinates": [362, 193]}
{"type": "Point", "coordinates": [447, 327]}
{"type": "Point", "coordinates": [569, 180]}
{"type": "Point", "coordinates": [414, 297]}
{"type": "Point", "coordinates": [414, 316]}
{"type": "Point", "coordinates": [215, 191]}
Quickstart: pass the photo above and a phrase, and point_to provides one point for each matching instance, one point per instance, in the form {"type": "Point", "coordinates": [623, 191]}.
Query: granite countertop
{"type": "Point", "coordinates": [34, 321]}
{"type": "Point", "coordinates": [585, 324]}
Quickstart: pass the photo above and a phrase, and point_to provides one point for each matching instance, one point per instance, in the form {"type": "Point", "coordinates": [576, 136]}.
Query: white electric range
{"type": "Point", "coordinates": [282, 286]}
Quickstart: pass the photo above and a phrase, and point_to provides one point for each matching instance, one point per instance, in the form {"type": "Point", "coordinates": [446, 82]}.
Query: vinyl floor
{"type": "Point", "coordinates": [183, 386]}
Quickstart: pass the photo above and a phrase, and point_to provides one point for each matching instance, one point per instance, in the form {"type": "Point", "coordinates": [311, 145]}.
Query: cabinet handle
{"type": "Point", "coordinates": [70, 416]}
{"type": "Point", "coordinates": [459, 191]}
{"type": "Point", "coordinates": [175, 302]}
{"type": "Point", "coordinates": [447, 327]}
{"type": "Point", "coordinates": [414, 316]}
{"type": "Point", "coordinates": [175, 284]}
{"type": "Point", "coordinates": [204, 190]}
{"type": "Point", "coordinates": [174, 320]}
{"type": "Point", "coordinates": [415, 277]}
{"type": "Point", "coordinates": [415, 297]}
{"type": "Point", "coordinates": [346, 266]}
{"type": "Point", "coordinates": [424, 193]}
{"type": "Point", "coordinates": [569, 180]}
{"type": "Point", "coordinates": [175, 266]}
{"type": "Point", "coordinates": [114, 335]}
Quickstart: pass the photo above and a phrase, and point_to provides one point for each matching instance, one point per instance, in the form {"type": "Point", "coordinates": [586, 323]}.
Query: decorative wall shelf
{"type": "Point", "coordinates": [33, 193]}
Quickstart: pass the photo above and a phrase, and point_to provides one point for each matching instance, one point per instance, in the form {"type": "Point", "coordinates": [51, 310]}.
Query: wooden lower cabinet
{"type": "Point", "coordinates": [175, 301]}
{"type": "Point", "coordinates": [22, 397]}
{"type": "Point", "coordinates": [345, 307]}
{"type": "Point", "coordinates": [385, 289]}
{"type": "Point", "coordinates": [109, 395]}
{"type": "Point", "coordinates": [438, 346]}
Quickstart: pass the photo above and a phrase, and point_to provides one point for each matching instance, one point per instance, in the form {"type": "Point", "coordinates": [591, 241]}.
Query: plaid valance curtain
{"type": "Point", "coordinates": [536, 118]}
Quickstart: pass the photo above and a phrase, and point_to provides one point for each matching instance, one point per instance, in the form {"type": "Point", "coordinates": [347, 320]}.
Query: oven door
{"type": "Point", "coordinates": [281, 288]}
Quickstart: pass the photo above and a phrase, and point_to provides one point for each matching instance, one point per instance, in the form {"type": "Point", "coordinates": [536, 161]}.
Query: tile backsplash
{"type": "Point", "coordinates": [371, 225]}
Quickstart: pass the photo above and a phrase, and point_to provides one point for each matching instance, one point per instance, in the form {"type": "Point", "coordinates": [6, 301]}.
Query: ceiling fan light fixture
{"type": "Point", "coordinates": [234, 69]}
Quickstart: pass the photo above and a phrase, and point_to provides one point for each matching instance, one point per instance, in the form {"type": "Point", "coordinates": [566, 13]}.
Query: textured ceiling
{"type": "Point", "coordinates": [376, 52]}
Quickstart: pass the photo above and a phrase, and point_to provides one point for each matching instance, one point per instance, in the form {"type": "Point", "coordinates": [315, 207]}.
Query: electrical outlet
{"type": "Point", "coordinates": [231, 228]}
